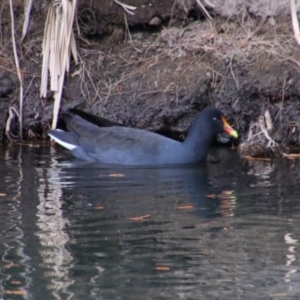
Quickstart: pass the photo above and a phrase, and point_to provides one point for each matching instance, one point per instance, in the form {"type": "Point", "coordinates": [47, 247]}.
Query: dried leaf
{"type": "Point", "coordinates": [141, 218]}
{"type": "Point", "coordinates": [16, 292]}
{"type": "Point", "coordinates": [185, 207]}
{"type": "Point", "coordinates": [162, 268]}
{"type": "Point", "coordinates": [99, 207]}
{"type": "Point", "coordinates": [257, 158]}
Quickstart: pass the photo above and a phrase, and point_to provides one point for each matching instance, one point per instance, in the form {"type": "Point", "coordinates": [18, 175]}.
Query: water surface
{"type": "Point", "coordinates": [73, 230]}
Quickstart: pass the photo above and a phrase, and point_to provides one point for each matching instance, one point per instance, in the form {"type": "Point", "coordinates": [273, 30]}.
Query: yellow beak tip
{"type": "Point", "coordinates": [234, 134]}
{"type": "Point", "coordinates": [228, 129]}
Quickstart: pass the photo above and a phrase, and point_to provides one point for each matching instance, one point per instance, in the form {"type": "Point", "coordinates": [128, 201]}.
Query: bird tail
{"type": "Point", "coordinates": [67, 139]}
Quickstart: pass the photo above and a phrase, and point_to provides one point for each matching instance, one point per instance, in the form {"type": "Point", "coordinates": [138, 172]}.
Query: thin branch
{"type": "Point", "coordinates": [18, 69]}
{"type": "Point", "coordinates": [233, 76]}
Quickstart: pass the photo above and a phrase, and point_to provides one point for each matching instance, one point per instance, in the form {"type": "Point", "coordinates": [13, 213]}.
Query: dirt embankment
{"type": "Point", "coordinates": [157, 68]}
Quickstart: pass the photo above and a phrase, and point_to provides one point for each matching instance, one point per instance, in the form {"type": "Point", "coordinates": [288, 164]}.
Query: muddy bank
{"type": "Point", "coordinates": [157, 68]}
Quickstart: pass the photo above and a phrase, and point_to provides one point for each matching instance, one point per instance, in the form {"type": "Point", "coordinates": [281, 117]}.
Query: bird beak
{"type": "Point", "coordinates": [228, 129]}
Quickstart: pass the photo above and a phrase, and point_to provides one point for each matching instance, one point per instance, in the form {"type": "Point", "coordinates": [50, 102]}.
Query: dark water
{"type": "Point", "coordinates": [73, 230]}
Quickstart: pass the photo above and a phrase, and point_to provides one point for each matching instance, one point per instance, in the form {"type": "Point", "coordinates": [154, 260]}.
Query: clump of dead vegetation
{"type": "Point", "coordinates": [259, 142]}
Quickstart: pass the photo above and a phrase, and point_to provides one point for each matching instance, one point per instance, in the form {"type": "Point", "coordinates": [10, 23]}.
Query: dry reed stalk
{"type": "Point", "coordinates": [58, 44]}
{"type": "Point", "coordinates": [28, 6]}
{"type": "Point", "coordinates": [295, 21]}
{"type": "Point", "coordinates": [20, 115]}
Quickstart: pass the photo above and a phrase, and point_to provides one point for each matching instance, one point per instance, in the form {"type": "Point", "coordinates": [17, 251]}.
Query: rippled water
{"type": "Point", "coordinates": [74, 230]}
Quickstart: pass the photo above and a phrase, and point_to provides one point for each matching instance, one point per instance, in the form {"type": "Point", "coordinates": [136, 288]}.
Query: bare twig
{"type": "Point", "coordinates": [126, 7]}
{"type": "Point", "coordinates": [206, 13]}
{"type": "Point", "coordinates": [127, 28]}
{"type": "Point", "coordinates": [209, 3]}
{"type": "Point", "coordinates": [28, 6]}
{"type": "Point", "coordinates": [29, 85]}
{"type": "Point", "coordinates": [18, 69]}
{"type": "Point", "coordinates": [129, 34]}
{"type": "Point", "coordinates": [233, 76]}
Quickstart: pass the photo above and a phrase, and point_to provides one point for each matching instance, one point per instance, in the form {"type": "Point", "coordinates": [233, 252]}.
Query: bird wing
{"type": "Point", "coordinates": [120, 144]}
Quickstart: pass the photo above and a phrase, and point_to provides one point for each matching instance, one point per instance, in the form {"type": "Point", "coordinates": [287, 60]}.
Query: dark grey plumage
{"type": "Point", "coordinates": [131, 146]}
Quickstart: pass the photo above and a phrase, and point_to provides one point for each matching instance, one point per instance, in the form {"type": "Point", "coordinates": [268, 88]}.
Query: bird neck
{"type": "Point", "coordinates": [198, 140]}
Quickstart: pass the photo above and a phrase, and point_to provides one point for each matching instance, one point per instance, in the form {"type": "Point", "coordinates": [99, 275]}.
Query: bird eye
{"type": "Point", "coordinates": [214, 118]}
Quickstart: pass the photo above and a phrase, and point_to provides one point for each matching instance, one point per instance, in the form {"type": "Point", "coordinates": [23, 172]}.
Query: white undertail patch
{"type": "Point", "coordinates": [62, 143]}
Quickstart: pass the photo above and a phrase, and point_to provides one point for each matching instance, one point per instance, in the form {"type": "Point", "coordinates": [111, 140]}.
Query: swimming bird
{"type": "Point", "coordinates": [136, 147]}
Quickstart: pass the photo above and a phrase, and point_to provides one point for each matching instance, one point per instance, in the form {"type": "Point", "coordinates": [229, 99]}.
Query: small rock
{"type": "Point", "coordinates": [155, 21]}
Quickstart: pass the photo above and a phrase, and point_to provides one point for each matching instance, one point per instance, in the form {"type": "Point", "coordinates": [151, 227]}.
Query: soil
{"type": "Point", "coordinates": [158, 68]}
